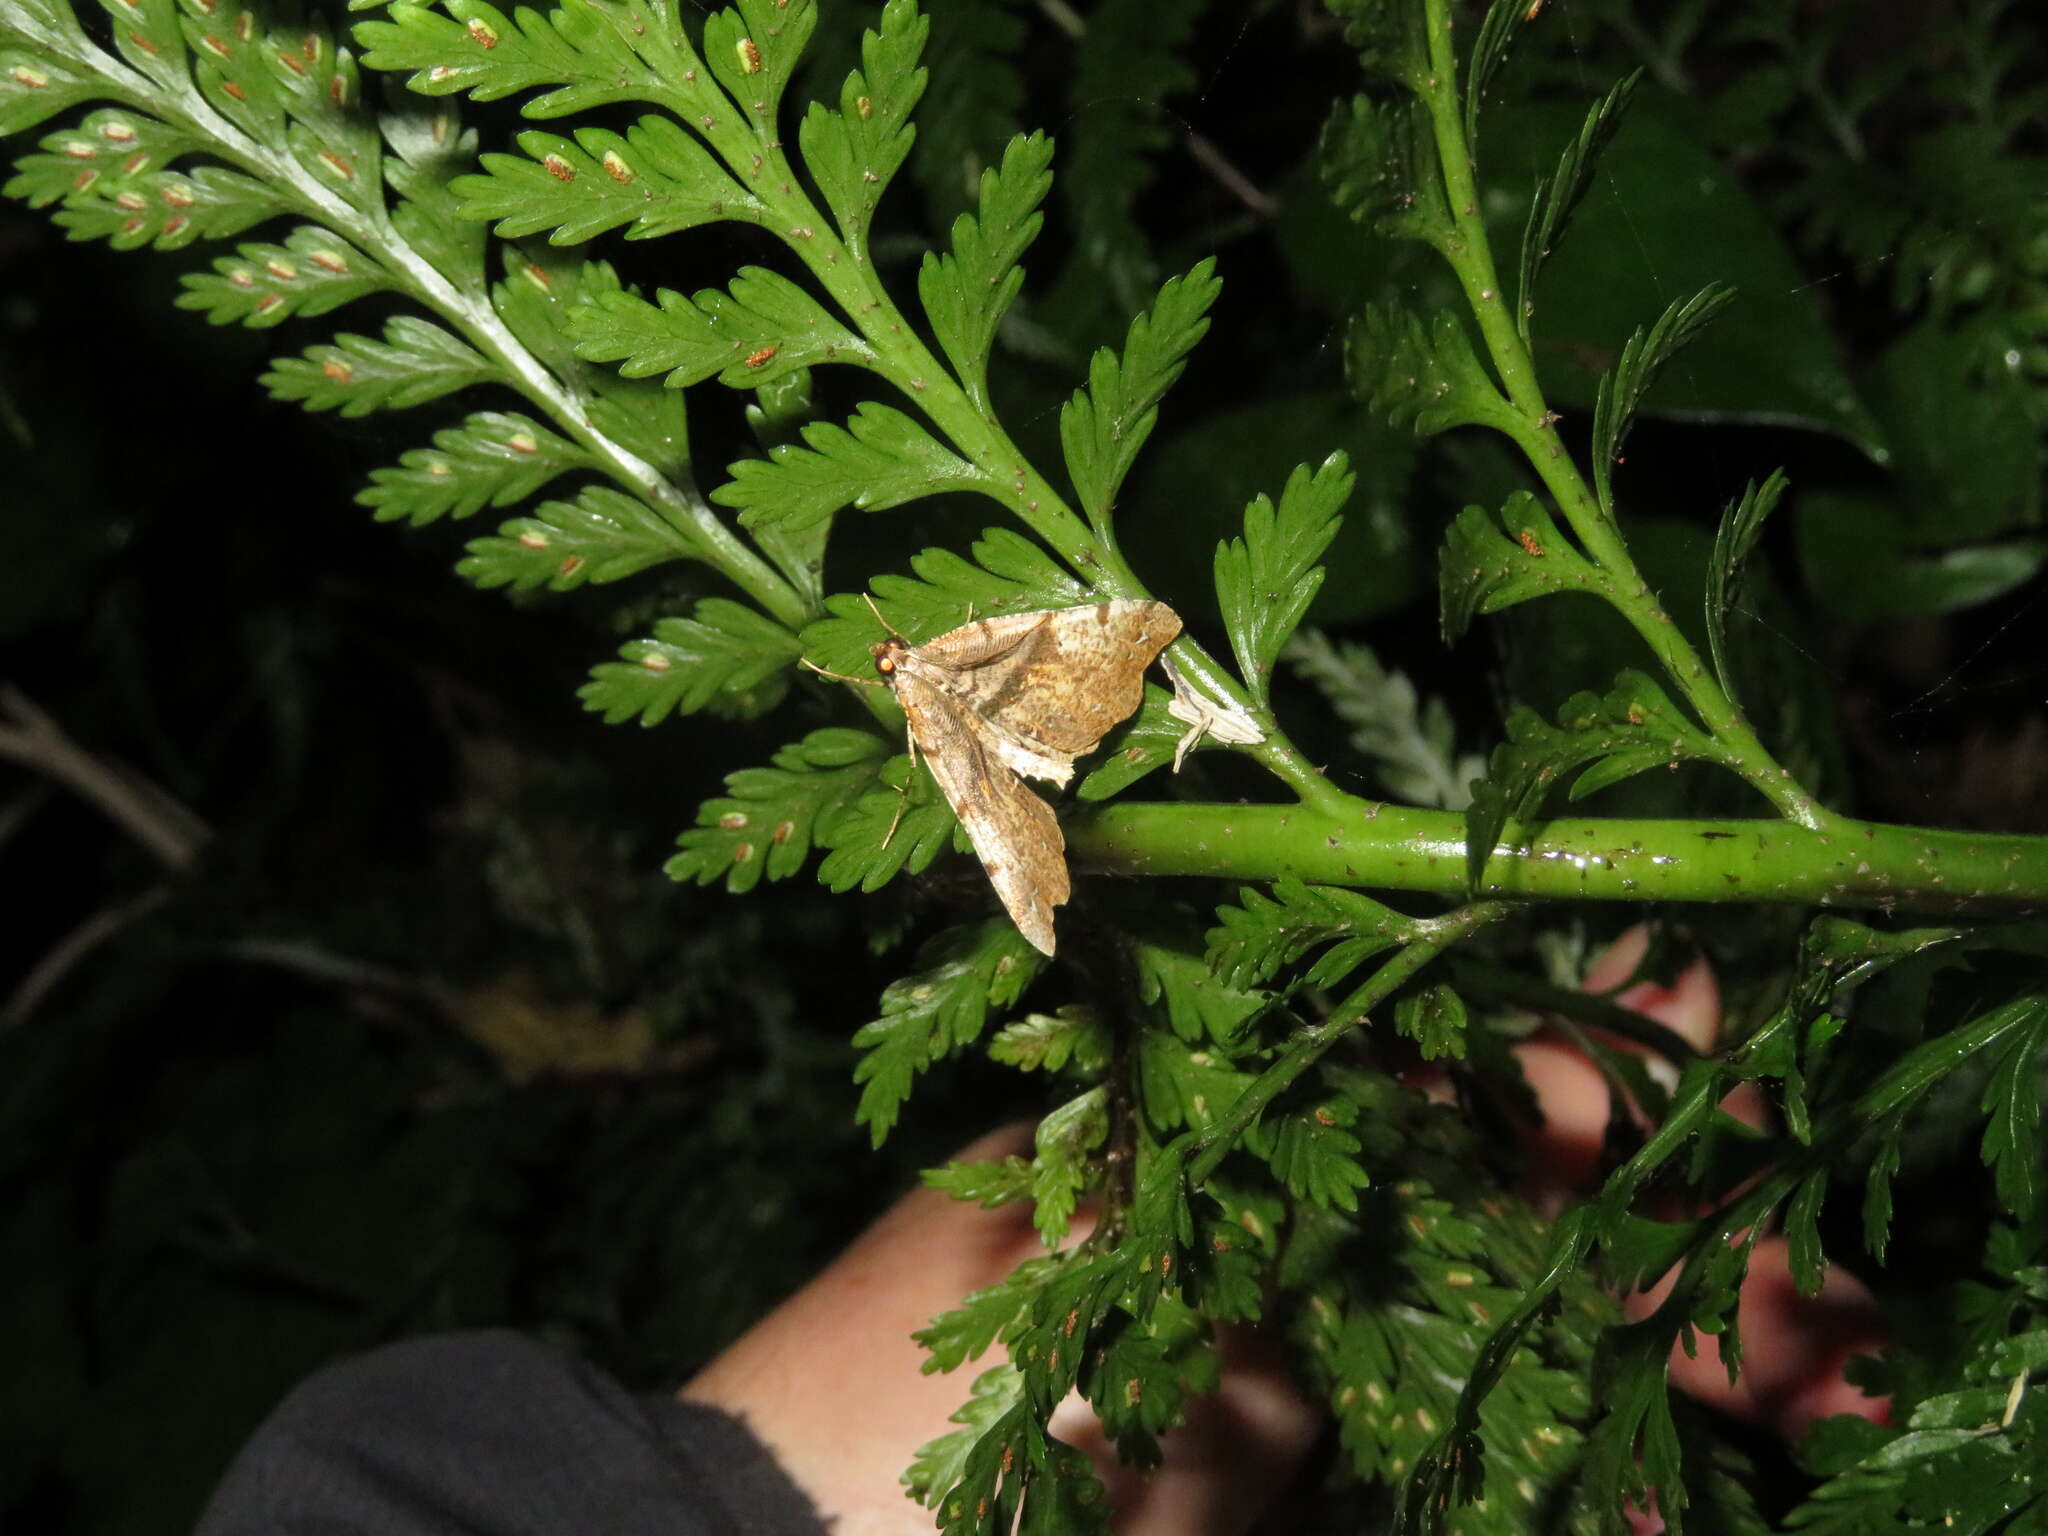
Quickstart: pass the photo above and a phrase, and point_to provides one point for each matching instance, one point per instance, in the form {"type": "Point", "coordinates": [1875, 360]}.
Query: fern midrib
{"type": "Point", "coordinates": [1470, 255]}
{"type": "Point", "coordinates": [1024, 490]}
{"type": "Point", "coordinates": [518, 368]}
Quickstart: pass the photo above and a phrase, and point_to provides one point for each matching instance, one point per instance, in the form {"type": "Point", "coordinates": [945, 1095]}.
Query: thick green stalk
{"type": "Point", "coordinates": [1428, 938]}
{"type": "Point", "coordinates": [1534, 431]}
{"type": "Point", "coordinates": [1852, 864]}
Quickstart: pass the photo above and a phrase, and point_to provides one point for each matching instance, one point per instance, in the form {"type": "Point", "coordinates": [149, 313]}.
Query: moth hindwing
{"type": "Point", "coordinates": [1025, 693]}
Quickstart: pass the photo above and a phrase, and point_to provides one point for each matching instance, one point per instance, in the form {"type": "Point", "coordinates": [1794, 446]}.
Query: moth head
{"type": "Point", "coordinates": [887, 652]}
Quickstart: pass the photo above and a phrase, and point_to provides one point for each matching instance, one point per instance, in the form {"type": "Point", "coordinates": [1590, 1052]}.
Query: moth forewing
{"type": "Point", "coordinates": [1061, 678]}
{"type": "Point", "coordinates": [1015, 834]}
{"type": "Point", "coordinates": [958, 685]}
{"type": "Point", "coordinates": [1025, 693]}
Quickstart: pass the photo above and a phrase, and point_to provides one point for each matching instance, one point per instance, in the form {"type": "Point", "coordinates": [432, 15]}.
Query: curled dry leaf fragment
{"type": "Point", "coordinates": [1204, 716]}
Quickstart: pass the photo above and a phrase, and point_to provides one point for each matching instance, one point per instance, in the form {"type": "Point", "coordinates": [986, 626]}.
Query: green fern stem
{"type": "Point", "coordinates": [1848, 865]}
{"type": "Point", "coordinates": [1430, 937]}
{"type": "Point", "coordinates": [850, 278]}
{"type": "Point", "coordinates": [470, 315]}
{"type": "Point", "coordinates": [1532, 426]}
{"type": "Point", "coordinates": [842, 269]}
{"type": "Point", "coordinates": [752, 149]}
{"type": "Point", "coordinates": [1017, 485]}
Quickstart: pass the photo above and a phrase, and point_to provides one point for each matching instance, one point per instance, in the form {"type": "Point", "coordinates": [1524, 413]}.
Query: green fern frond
{"type": "Point", "coordinates": [495, 458]}
{"type": "Point", "coordinates": [967, 290]}
{"type": "Point", "coordinates": [264, 284]}
{"type": "Point", "coordinates": [880, 459]}
{"type": "Point", "coordinates": [416, 361]}
{"type": "Point", "coordinates": [1266, 580]}
{"type": "Point", "coordinates": [765, 824]}
{"type": "Point", "coordinates": [602, 536]}
{"type": "Point", "coordinates": [1103, 426]}
{"type": "Point", "coordinates": [759, 329]}
{"type": "Point", "coordinates": [726, 658]}
{"type": "Point", "coordinates": [654, 179]}
{"type": "Point", "coordinates": [965, 975]}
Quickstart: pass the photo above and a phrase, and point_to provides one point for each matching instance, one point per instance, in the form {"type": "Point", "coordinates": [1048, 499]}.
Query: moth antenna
{"type": "Point", "coordinates": [838, 677]}
{"type": "Point", "coordinates": [877, 612]}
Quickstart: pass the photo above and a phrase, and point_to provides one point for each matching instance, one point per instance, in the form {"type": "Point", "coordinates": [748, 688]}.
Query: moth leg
{"type": "Point", "coordinates": [903, 794]}
{"type": "Point", "coordinates": [902, 804]}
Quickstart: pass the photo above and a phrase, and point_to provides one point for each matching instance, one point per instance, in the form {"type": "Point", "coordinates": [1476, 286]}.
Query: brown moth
{"type": "Point", "coordinates": [1026, 693]}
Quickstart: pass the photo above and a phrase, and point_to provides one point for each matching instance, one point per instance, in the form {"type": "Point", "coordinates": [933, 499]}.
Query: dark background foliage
{"type": "Point", "coordinates": [422, 1038]}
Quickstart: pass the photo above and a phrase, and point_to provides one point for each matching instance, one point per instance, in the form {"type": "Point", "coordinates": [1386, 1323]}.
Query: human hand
{"type": "Point", "coordinates": [1794, 1347]}
{"type": "Point", "coordinates": [832, 1382]}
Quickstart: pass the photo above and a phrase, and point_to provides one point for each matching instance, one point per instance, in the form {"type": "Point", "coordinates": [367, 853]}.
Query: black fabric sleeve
{"type": "Point", "coordinates": [493, 1434]}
